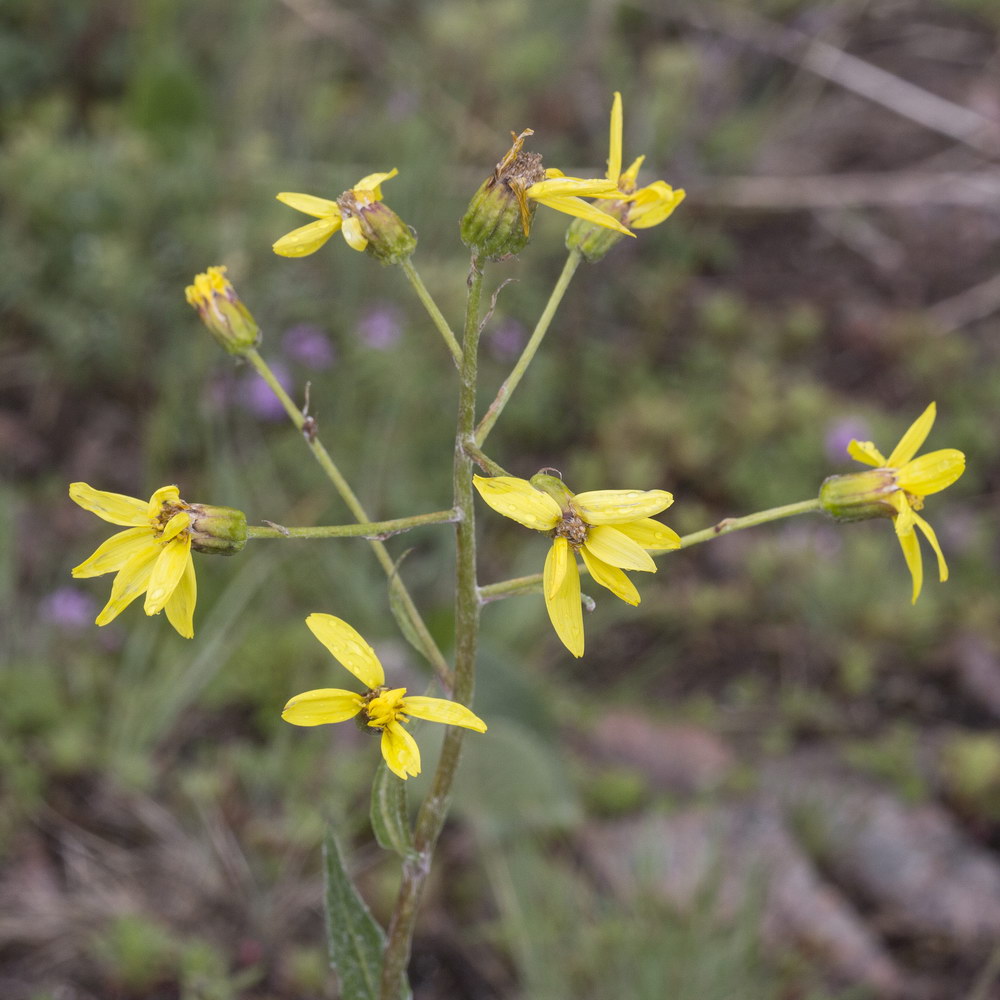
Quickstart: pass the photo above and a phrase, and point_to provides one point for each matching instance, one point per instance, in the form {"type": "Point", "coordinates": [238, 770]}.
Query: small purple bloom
{"type": "Point", "coordinates": [507, 341]}
{"type": "Point", "coordinates": [67, 607]}
{"type": "Point", "coordinates": [255, 395]}
{"type": "Point", "coordinates": [840, 433]}
{"type": "Point", "coordinates": [381, 327]}
{"type": "Point", "coordinates": [309, 345]}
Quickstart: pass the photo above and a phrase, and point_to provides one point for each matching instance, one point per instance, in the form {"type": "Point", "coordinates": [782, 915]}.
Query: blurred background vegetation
{"type": "Point", "coordinates": [833, 270]}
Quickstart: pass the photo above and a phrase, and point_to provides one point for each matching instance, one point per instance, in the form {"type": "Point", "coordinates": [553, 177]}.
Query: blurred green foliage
{"type": "Point", "coordinates": [718, 358]}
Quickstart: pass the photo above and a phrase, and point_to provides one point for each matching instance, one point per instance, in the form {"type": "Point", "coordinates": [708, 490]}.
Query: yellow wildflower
{"type": "Point", "coordinates": [912, 479]}
{"type": "Point", "coordinates": [221, 310]}
{"type": "Point", "coordinates": [358, 214]}
{"type": "Point", "coordinates": [385, 710]}
{"type": "Point", "coordinates": [611, 529]}
{"type": "Point", "coordinates": [498, 220]}
{"type": "Point", "coordinates": [638, 208]}
{"type": "Point", "coordinates": [152, 556]}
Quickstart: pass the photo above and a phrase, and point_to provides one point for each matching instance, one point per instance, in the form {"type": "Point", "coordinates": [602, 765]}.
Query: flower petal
{"type": "Point", "coordinates": [519, 500]}
{"type": "Point", "coordinates": [865, 451]}
{"type": "Point", "coordinates": [583, 210]}
{"type": "Point", "coordinates": [565, 187]}
{"type": "Point", "coordinates": [180, 605]}
{"type": "Point", "coordinates": [400, 750]}
{"type": "Point", "coordinates": [617, 549]}
{"type": "Point", "coordinates": [316, 708]}
{"type": "Point", "coordinates": [310, 204]}
{"type": "Point", "coordinates": [164, 495]}
{"type": "Point", "coordinates": [355, 238]}
{"type": "Point", "coordinates": [442, 710]}
{"type": "Point", "coordinates": [113, 507]}
{"type": "Point", "coordinates": [110, 556]}
{"type": "Point", "coordinates": [650, 534]}
{"type": "Point", "coordinates": [932, 538]}
{"type": "Point", "coordinates": [653, 204]}
{"type": "Point", "coordinates": [372, 182]}
{"type": "Point", "coordinates": [306, 239]}
{"type": "Point", "coordinates": [563, 606]}
{"type": "Point", "coordinates": [556, 566]}
{"type": "Point", "coordinates": [615, 506]}
{"type": "Point", "coordinates": [348, 648]}
{"type": "Point", "coordinates": [167, 572]}
{"type": "Point", "coordinates": [611, 577]}
{"type": "Point", "coordinates": [626, 180]}
{"type": "Point", "coordinates": [176, 524]}
{"type": "Point", "coordinates": [911, 553]}
{"type": "Point", "coordinates": [130, 582]}
{"type": "Point", "coordinates": [915, 436]}
{"type": "Point", "coordinates": [932, 472]}
{"type": "Point", "coordinates": [904, 520]}
{"type": "Point", "coordinates": [615, 140]}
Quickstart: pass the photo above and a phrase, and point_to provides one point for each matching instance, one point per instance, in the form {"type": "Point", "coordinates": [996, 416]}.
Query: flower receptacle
{"type": "Point", "coordinates": [859, 496]}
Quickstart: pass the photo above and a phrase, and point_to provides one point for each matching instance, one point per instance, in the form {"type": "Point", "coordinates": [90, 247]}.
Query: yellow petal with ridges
{"type": "Point", "coordinates": [317, 708]}
{"type": "Point", "coordinates": [932, 472]}
{"type": "Point", "coordinates": [306, 239]}
{"type": "Point", "coordinates": [164, 495]}
{"type": "Point", "coordinates": [130, 582]}
{"type": "Point", "coordinates": [563, 606]}
{"type": "Point", "coordinates": [865, 451]}
{"type": "Point", "coordinates": [915, 436]}
{"type": "Point", "coordinates": [400, 750]}
{"type": "Point", "coordinates": [615, 140]}
{"type": "Point", "coordinates": [442, 710]}
{"type": "Point", "coordinates": [651, 534]}
{"type": "Point", "coordinates": [567, 187]}
{"type": "Point", "coordinates": [372, 182]}
{"type": "Point", "coordinates": [616, 506]}
{"type": "Point", "coordinates": [654, 204]}
{"type": "Point", "coordinates": [556, 566]}
{"type": "Point", "coordinates": [180, 605]}
{"type": "Point", "coordinates": [619, 550]}
{"type": "Point", "coordinates": [519, 500]}
{"type": "Point", "coordinates": [611, 577]}
{"type": "Point", "coordinates": [115, 508]}
{"type": "Point", "coordinates": [348, 648]}
{"type": "Point", "coordinates": [310, 204]}
{"type": "Point", "coordinates": [583, 210]}
{"type": "Point", "coordinates": [932, 538]}
{"type": "Point", "coordinates": [110, 556]}
{"type": "Point", "coordinates": [914, 562]}
{"type": "Point", "coordinates": [355, 238]}
{"type": "Point", "coordinates": [167, 572]}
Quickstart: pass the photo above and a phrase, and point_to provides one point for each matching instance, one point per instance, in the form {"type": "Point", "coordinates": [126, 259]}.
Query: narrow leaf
{"type": "Point", "coordinates": [388, 813]}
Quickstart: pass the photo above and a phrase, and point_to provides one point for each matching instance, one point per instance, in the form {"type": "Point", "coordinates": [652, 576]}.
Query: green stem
{"type": "Point", "coordinates": [434, 809]}
{"type": "Point", "coordinates": [529, 584]}
{"type": "Point", "coordinates": [437, 317]}
{"type": "Point", "coordinates": [541, 328]}
{"type": "Point", "coordinates": [430, 647]}
{"type": "Point", "coordinates": [372, 529]}
{"type": "Point", "coordinates": [483, 460]}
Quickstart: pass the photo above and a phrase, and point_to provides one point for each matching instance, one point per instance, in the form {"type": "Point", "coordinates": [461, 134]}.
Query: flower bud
{"type": "Point", "coordinates": [859, 496]}
{"type": "Point", "coordinates": [497, 223]}
{"type": "Point", "coordinates": [380, 230]}
{"type": "Point", "coordinates": [221, 310]}
{"type": "Point", "coordinates": [220, 531]}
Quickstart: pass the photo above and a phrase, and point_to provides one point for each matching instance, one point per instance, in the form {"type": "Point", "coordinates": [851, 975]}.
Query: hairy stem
{"type": "Point", "coordinates": [371, 529]}
{"type": "Point", "coordinates": [430, 647]}
{"type": "Point", "coordinates": [434, 809]}
{"type": "Point", "coordinates": [437, 317]}
{"type": "Point", "coordinates": [541, 328]}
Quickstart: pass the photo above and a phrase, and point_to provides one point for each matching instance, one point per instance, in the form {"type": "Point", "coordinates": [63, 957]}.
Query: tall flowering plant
{"type": "Point", "coordinates": [598, 536]}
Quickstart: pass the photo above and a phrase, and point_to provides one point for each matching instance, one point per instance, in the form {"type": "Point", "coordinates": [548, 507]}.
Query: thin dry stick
{"type": "Point", "coordinates": [973, 304]}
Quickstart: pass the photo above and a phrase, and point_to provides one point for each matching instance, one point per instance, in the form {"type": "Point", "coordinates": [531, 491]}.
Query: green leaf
{"type": "Point", "coordinates": [354, 938]}
{"type": "Point", "coordinates": [388, 813]}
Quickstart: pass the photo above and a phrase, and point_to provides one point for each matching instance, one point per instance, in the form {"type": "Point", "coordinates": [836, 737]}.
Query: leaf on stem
{"type": "Point", "coordinates": [390, 823]}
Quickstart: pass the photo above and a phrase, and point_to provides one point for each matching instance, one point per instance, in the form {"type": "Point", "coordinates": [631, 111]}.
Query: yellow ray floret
{"type": "Point", "coordinates": [383, 709]}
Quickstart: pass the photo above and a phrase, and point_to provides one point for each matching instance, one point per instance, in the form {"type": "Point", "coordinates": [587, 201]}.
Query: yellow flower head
{"type": "Point", "coordinates": [611, 529]}
{"type": "Point", "coordinates": [385, 710]}
{"type": "Point", "coordinates": [358, 214]}
{"type": "Point", "coordinates": [221, 310]}
{"type": "Point", "coordinates": [638, 208]}
{"type": "Point", "coordinates": [152, 556]}
{"type": "Point", "coordinates": [498, 220]}
{"type": "Point", "coordinates": [912, 479]}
